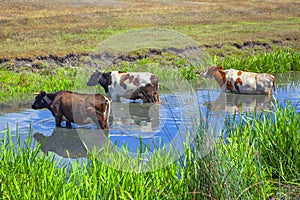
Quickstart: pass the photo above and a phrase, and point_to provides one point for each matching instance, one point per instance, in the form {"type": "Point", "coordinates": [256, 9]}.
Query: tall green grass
{"type": "Point", "coordinates": [259, 159]}
{"type": "Point", "coordinates": [19, 85]}
{"type": "Point", "coordinates": [278, 61]}
{"type": "Point", "coordinates": [27, 173]}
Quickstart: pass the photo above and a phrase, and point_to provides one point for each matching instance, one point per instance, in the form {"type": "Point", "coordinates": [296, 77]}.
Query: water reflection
{"type": "Point", "coordinates": [14, 107]}
{"type": "Point", "coordinates": [72, 143]}
{"type": "Point", "coordinates": [143, 119]}
{"type": "Point", "coordinates": [240, 103]}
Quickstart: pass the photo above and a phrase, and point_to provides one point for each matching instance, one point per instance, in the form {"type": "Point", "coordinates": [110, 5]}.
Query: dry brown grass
{"type": "Point", "coordinates": [34, 27]}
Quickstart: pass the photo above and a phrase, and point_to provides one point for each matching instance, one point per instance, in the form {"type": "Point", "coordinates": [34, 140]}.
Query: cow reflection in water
{"type": "Point", "coordinates": [72, 143]}
{"type": "Point", "coordinates": [240, 103]}
{"type": "Point", "coordinates": [134, 116]}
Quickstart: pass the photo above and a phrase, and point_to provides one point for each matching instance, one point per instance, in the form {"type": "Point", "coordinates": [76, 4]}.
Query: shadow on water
{"type": "Point", "coordinates": [71, 143]}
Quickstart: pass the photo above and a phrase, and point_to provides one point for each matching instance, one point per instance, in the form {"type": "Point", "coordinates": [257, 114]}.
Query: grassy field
{"type": "Point", "coordinates": [39, 28]}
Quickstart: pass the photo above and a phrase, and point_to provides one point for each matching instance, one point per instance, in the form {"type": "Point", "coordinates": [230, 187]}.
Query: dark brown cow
{"type": "Point", "coordinates": [129, 85]}
{"type": "Point", "coordinates": [74, 107]}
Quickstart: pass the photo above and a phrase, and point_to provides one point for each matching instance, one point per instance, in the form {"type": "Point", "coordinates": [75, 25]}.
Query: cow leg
{"type": "Point", "coordinates": [147, 93]}
{"type": "Point", "coordinates": [58, 119]}
{"type": "Point", "coordinates": [152, 94]}
{"type": "Point", "coordinates": [102, 120]}
{"type": "Point", "coordinates": [98, 118]}
{"type": "Point", "coordinates": [134, 95]}
{"type": "Point", "coordinates": [103, 123]}
{"type": "Point", "coordinates": [68, 124]}
{"type": "Point", "coordinates": [155, 93]}
{"type": "Point", "coordinates": [56, 112]}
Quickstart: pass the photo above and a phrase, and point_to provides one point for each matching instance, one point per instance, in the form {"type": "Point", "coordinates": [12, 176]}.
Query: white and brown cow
{"type": "Point", "coordinates": [238, 81]}
{"type": "Point", "coordinates": [129, 85]}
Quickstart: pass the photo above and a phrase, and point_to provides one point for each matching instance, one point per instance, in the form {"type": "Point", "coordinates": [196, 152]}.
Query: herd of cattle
{"type": "Point", "coordinates": [79, 108]}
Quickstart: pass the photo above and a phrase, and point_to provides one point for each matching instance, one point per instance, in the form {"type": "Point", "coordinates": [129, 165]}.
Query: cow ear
{"type": "Point", "coordinates": [43, 93]}
{"type": "Point", "coordinates": [100, 75]}
{"type": "Point", "coordinates": [97, 75]}
{"type": "Point", "coordinates": [220, 67]}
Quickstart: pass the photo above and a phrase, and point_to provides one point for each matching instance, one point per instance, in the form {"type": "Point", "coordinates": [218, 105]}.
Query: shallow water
{"type": "Point", "coordinates": [152, 126]}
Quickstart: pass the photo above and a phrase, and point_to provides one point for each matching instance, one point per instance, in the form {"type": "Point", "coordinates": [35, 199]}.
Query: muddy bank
{"type": "Point", "coordinates": [71, 60]}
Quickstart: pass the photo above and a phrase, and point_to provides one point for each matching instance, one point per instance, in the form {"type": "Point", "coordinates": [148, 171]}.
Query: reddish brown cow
{"type": "Point", "coordinates": [75, 107]}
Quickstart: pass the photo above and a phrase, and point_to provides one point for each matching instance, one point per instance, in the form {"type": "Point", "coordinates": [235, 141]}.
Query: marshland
{"type": "Point", "coordinates": [200, 143]}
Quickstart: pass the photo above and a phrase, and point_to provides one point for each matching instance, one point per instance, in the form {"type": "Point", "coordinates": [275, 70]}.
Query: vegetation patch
{"type": "Point", "coordinates": [257, 158]}
{"type": "Point", "coordinates": [278, 61]}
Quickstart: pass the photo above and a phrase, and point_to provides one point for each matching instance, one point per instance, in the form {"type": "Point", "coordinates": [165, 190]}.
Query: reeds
{"type": "Point", "coordinates": [278, 61]}
{"type": "Point", "coordinates": [258, 159]}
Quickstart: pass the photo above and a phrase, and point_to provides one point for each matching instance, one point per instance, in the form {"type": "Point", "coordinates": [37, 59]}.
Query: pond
{"type": "Point", "coordinates": [143, 125]}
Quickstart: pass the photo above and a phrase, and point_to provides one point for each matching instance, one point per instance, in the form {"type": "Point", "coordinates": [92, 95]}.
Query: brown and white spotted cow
{"type": "Point", "coordinates": [129, 85]}
{"type": "Point", "coordinates": [232, 80]}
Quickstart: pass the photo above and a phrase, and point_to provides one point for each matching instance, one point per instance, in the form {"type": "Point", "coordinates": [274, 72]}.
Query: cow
{"type": "Point", "coordinates": [75, 107]}
{"type": "Point", "coordinates": [241, 82]}
{"type": "Point", "coordinates": [129, 85]}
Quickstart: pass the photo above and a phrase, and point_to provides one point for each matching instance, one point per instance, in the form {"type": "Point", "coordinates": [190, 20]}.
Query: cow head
{"type": "Point", "coordinates": [41, 101]}
{"type": "Point", "coordinates": [211, 71]}
{"type": "Point", "coordinates": [104, 79]}
{"type": "Point", "coordinates": [218, 74]}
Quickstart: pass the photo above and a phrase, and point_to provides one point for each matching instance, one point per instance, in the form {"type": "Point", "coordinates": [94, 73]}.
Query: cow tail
{"type": "Point", "coordinates": [108, 108]}
{"type": "Point", "coordinates": [274, 83]}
